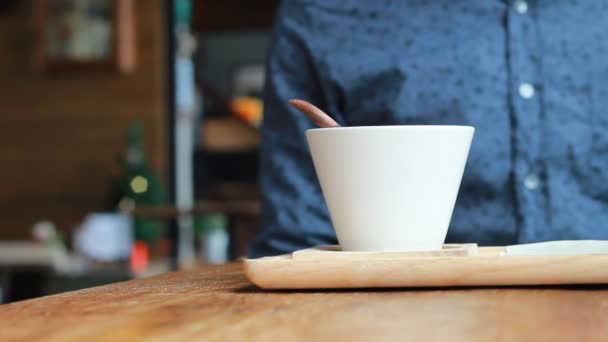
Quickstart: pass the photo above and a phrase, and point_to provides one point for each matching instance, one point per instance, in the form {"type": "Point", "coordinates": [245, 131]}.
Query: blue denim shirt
{"type": "Point", "coordinates": [531, 77]}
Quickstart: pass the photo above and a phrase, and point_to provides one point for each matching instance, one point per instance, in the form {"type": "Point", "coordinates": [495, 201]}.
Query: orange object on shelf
{"type": "Point", "coordinates": [248, 108]}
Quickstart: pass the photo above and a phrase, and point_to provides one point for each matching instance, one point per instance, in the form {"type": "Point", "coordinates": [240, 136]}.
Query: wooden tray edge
{"type": "Point", "coordinates": [483, 270]}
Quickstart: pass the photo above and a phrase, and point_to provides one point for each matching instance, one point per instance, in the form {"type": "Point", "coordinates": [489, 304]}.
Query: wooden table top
{"type": "Point", "coordinates": [217, 303]}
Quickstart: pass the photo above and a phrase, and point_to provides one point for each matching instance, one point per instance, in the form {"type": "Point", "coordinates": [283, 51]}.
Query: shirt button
{"type": "Point", "coordinates": [526, 90]}
{"type": "Point", "coordinates": [520, 6]}
{"type": "Point", "coordinates": [531, 182]}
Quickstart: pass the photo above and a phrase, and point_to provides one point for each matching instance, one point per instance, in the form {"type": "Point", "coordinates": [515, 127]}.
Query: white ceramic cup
{"type": "Point", "coordinates": [390, 188]}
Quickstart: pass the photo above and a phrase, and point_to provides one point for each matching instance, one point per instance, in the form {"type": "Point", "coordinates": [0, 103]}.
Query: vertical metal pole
{"type": "Point", "coordinates": [185, 111]}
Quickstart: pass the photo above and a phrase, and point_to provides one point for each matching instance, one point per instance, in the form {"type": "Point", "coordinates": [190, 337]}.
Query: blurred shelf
{"type": "Point", "coordinates": [227, 191]}
{"type": "Point", "coordinates": [228, 134]}
{"type": "Point", "coordinates": [24, 253]}
{"type": "Point", "coordinates": [249, 208]}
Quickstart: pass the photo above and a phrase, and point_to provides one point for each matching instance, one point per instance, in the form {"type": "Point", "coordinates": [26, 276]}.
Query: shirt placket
{"type": "Point", "coordinates": [526, 92]}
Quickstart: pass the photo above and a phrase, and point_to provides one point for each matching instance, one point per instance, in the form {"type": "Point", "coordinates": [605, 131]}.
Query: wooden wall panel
{"type": "Point", "coordinates": [61, 134]}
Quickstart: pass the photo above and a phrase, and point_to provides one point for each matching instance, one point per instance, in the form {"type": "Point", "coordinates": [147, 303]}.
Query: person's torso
{"type": "Point", "coordinates": [531, 77]}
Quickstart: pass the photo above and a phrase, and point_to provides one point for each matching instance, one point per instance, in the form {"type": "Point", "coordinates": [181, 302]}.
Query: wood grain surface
{"type": "Point", "coordinates": [217, 303]}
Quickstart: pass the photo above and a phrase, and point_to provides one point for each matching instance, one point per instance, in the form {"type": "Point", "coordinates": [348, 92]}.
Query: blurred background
{"type": "Point", "coordinates": [129, 138]}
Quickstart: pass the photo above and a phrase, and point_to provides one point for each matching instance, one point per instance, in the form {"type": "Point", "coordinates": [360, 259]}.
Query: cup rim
{"type": "Point", "coordinates": [393, 127]}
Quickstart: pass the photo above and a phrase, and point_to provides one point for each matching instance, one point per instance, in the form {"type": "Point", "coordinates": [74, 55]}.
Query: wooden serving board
{"type": "Point", "coordinates": [327, 267]}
